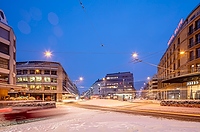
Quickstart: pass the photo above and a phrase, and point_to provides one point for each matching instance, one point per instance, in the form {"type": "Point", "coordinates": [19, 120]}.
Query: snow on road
{"type": "Point", "coordinates": [84, 120]}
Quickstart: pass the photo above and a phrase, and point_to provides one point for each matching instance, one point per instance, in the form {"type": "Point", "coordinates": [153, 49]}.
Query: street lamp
{"type": "Point", "coordinates": [80, 78]}
{"type": "Point", "coordinates": [48, 54]}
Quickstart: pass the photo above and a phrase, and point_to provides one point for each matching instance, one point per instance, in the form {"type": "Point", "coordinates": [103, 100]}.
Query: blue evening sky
{"type": "Point", "coordinates": [99, 38]}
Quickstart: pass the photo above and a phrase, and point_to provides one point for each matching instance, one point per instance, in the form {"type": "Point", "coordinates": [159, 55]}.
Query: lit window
{"type": "Point", "coordinates": [192, 68]}
{"type": "Point", "coordinates": [53, 88]}
{"type": "Point", "coordinates": [47, 79]}
{"type": "Point", "coordinates": [198, 67]}
{"type": "Point", "coordinates": [37, 71]}
{"type": "Point", "coordinates": [32, 79]}
{"type": "Point", "coordinates": [32, 87]}
{"type": "Point", "coordinates": [19, 79]}
{"type": "Point", "coordinates": [38, 79]}
{"type": "Point", "coordinates": [38, 87]}
{"type": "Point", "coordinates": [25, 79]}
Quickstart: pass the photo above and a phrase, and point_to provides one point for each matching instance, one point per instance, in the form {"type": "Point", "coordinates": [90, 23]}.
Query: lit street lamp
{"type": "Point", "coordinates": [48, 54]}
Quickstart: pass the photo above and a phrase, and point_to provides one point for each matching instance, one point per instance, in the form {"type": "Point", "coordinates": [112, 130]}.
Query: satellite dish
{"type": "Point", "coordinates": [3, 17]}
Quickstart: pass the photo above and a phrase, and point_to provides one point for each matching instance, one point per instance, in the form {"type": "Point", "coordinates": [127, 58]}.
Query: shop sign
{"type": "Point", "coordinates": [175, 31]}
{"type": "Point", "coordinates": [192, 83]}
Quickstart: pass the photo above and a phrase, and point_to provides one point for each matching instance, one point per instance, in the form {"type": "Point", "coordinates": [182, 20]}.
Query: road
{"type": "Point", "coordinates": [110, 115]}
{"type": "Point", "coordinates": [143, 108]}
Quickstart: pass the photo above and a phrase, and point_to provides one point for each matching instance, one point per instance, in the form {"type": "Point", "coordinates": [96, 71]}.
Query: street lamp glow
{"type": "Point", "coordinates": [148, 78]}
{"type": "Point", "coordinates": [135, 55]}
{"type": "Point", "coordinates": [48, 54]}
{"type": "Point", "coordinates": [81, 78]}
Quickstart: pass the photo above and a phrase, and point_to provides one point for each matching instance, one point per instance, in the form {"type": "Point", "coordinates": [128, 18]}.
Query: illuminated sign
{"type": "Point", "coordinates": [192, 83]}
{"type": "Point", "coordinates": [175, 31]}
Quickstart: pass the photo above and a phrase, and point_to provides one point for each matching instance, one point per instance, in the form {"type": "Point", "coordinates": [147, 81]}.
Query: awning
{"type": "Point", "coordinates": [183, 78]}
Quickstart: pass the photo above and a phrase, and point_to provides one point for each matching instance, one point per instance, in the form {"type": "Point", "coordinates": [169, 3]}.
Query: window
{"type": "Point", "coordinates": [47, 79]}
{"type": "Point", "coordinates": [4, 63]}
{"type": "Point", "coordinates": [46, 87]}
{"type": "Point", "coordinates": [53, 88]}
{"type": "Point", "coordinates": [190, 29]}
{"type": "Point", "coordinates": [192, 68]}
{"type": "Point", "coordinates": [32, 87]}
{"type": "Point", "coordinates": [38, 79]}
{"type": "Point", "coordinates": [53, 80]}
{"type": "Point", "coordinates": [53, 72]}
{"type": "Point", "coordinates": [32, 79]}
{"type": "Point", "coordinates": [32, 71]}
{"type": "Point", "coordinates": [38, 87]}
{"type": "Point", "coordinates": [4, 34]}
{"type": "Point", "coordinates": [47, 72]}
{"type": "Point", "coordinates": [25, 79]}
{"type": "Point", "coordinates": [4, 48]}
{"type": "Point", "coordinates": [4, 78]}
{"type": "Point", "coordinates": [178, 40]}
{"type": "Point", "coordinates": [198, 67]}
{"type": "Point", "coordinates": [19, 72]}
{"type": "Point", "coordinates": [197, 24]}
{"type": "Point", "coordinates": [197, 38]}
{"type": "Point", "coordinates": [25, 72]}
{"type": "Point", "coordinates": [178, 62]}
{"type": "Point", "coordinates": [191, 55]}
{"type": "Point", "coordinates": [198, 53]}
{"type": "Point", "coordinates": [19, 79]}
{"type": "Point", "coordinates": [37, 71]}
{"type": "Point", "coordinates": [191, 42]}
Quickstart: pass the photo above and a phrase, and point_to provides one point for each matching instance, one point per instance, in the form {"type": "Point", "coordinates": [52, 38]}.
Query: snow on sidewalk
{"type": "Point", "coordinates": [140, 104]}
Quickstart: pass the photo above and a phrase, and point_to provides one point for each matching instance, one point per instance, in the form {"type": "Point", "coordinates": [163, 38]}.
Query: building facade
{"type": "Point", "coordinates": [7, 58]}
{"type": "Point", "coordinates": [115, 84]}
{"type": "Point", "coordinates": [179, 67]}
{"type": "Point", "coordinates": [45, 80]}
{"type": "Point", "coordinates": [152, 88]}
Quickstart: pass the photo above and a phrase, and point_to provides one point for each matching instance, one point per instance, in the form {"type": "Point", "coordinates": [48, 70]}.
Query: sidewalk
{"type": "Point", "coordinates": [140, 105]}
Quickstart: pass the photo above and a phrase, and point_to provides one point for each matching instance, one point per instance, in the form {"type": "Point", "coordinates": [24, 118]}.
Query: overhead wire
{"type": "Point", "coordinates": [92, 25]}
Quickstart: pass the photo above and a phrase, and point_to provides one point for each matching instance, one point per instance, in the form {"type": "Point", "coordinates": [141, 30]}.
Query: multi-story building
{"type": "Point", "coordinates": [45, 80]}
{"type": "Point", "coordinates": [120, 84]}
{"type": "Point", "coordinates": [152, 89]}
{"type": "Point", "coordinates": [179, 67]}
{"type": "Point", "coordinates": [7, 58]}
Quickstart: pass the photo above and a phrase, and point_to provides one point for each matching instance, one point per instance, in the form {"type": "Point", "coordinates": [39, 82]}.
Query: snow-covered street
{"type": "Point", "coordinates": [84, 120]}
